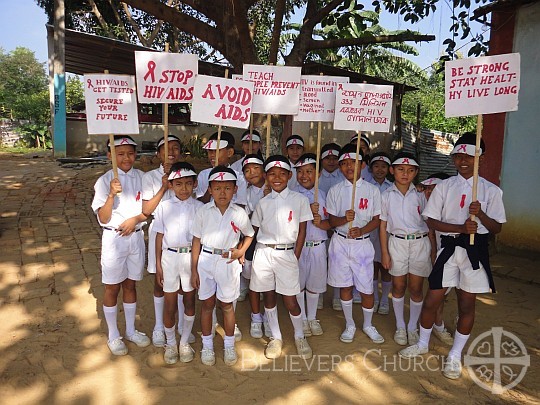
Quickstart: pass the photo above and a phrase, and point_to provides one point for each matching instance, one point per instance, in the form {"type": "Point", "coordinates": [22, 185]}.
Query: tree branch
{"type": "Point", "coordinates": [135, 26]}
{"type": "Point", "coordinates": [211, 9]}
{"type": "Point", "coordinates": [321, 13]}
{"type": "Point", "coordinates": [100, 18]}
{"type": "Point", "coordinates": [341, 42]}
{"type": "Point", "coordinates": [276, 31]}
{"type": "Point", "coordinates": [119, 21]}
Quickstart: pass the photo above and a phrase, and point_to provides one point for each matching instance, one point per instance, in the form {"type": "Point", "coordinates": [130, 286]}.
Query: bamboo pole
{"type": "Point", "coordinates": [219, 129]}
{"type": "Point", "coordinates": [166, 123]}
{"type": "Point", "coordinates": [112, 147]}
{"type": "Point", "coordinates": [250, 133]}
{"type": "Point", "coordinates": [475, 169]}
{"type": "Point", "coordinates": [355, 176]}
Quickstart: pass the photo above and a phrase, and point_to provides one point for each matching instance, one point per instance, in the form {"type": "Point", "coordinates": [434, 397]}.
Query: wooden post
{"type": "Point", "coordinates": [476, 164]}
{"type": "Point", "coordinates": [219, 129]}
{"type": "Point", "coordinates": [251, 133]}
{"type": "Point", "coordinates": [268, 130]}
{"type": "Point", "coordinates": [355, 176]}
{"type": "Point", "coordinates": [166, 124]}
{"type": "Point", "coordinates": [112, 148]}
{"type": "Point", "coordinates": [318, 160]}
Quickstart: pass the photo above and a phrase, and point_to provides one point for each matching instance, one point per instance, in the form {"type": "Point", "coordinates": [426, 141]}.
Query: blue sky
{"type": "Point", "coordinates": [22, 23]}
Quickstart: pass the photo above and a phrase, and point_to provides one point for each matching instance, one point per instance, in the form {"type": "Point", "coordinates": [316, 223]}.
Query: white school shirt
{"type": "Point", "coordinates": [240, 196]}
{"type": "Point", "coordinates": [221, 231]}
{"type": "Point", "coordinates": [278, 216]}
{"type": "Point", "coordinates": [254, 195]}
{"type": "Point", "coordinates": [385, 185]}
{"type": "Point", "coordinates": [367, 202]}
{"type": "Point", "coordinates": [293, 182]}
{"type": "Point", "coordinates": [366, 174]}
{"type": "Point", "coordinates": [126, 205]}
{"type": "Point", "coordinates": [312, 232]}
{"type": "Point", "coordinates": [174, 219]}
{"type": "Point", "coordinates": [402, 213]}
{"type": "Point", "coordinates": [450, 200]}
{"type": "Point", "coordinates": [151, 183]}
{"type": "Point", "coordinates": [237, 166]}
{"type": "Point", "coordinates": [327, 179]}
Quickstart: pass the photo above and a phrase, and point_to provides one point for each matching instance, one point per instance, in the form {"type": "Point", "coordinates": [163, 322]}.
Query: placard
{"type": "Point", "coordinates": [485, 85]}
{"type": "Point", "coordinates": [221, 101]}
{"type": "Point", "coordinates": [276, 88]}
{"type": "Point", "coordinates": [164, 77]}
{"type": "Point", "coordinates": [318, 97]}
{"type": "Point", "coordinates": [111, 104]}
{"type": "Point", "coordinates": [363, 107]}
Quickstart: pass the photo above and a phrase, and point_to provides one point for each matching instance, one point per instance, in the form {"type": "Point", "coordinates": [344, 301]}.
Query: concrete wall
{"type": "Point", "coordinates": [520, 179]}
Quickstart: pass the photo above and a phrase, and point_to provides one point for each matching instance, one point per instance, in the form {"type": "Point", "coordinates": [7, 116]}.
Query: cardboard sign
{"type": "Point", "coordinates": [277, 88]}
{"type": "Point", "coordinates": [318, 97]}
{"type": "Point", "coordinates": [165, 77]}
{"type": "Point", "coordinates": [111, 104]}
{"type": "Point", "coordinates": [222, 101]}
{"type": "Point", "coordinates": [363, 107]}
{"type": "Point", "coordinates": [485, 85]}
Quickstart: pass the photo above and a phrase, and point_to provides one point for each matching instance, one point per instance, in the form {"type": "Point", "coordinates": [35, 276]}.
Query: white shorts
{"type": "Point", "coordinates": [313, 266]}
{"type": "Point", "coordinates": [350, 263]}
{"type": "Point", "coordinates": [458, 272]}
{"type": "Point", "coordinates": [246, 269]}
{"type": "Point", "coordinates": [122, 257]}
{"type": "Point", "coordinates": [274, 270]}
{"type": "Point", "coordinates": [410, 256]}
{"type": "Point", "coordinates": [218, 277]}
{"type": "Point", "coordinates": [176, 271]}
{"type": "Point", "coordinates": [151, 265]}
{"type": "Point", "coordinates": [375, 239]}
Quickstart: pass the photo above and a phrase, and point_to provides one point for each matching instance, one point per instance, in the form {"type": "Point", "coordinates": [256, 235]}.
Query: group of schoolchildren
{"type": "Point", "coordinates": [259, 226]}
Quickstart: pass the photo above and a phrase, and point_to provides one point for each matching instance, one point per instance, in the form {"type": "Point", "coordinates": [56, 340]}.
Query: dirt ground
{"type": "Point", "coordinates": [53, 334]}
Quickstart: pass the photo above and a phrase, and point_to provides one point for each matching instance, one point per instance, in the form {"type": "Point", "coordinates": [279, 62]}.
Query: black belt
{"type": "Point", "coordinates": [411, 236]}
{"type": "Point", "coordinates": [280, 246]}
{"type": "Point", "coordinates": [108, 228]}
{"type": "Point", "coordinates": [183, 249]}
{"type": "Point", "coordinates": [347, 237]}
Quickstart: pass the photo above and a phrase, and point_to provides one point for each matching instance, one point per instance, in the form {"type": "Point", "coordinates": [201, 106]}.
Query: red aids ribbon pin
{"type": "Point", "coordinates": [234, 227]}
{"type": "Point", "coordinates": [290, 216]}
{"type": "Point", "coordinates": [324, 211]}
{"type": "Point", "coordinates": [363, 204]}
{"type": "Point", "coordinates": [462, 203]}
{"type": "Point", "coordinates": [138, 196]}
{"type": "Point", "coordinates": [418, 208]}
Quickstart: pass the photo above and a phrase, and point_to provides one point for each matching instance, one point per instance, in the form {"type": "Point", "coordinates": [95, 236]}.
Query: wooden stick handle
{"type": "Point", "coordinates": [317, 162]}
{"type": "Point", "coordinates": [475, 168]}
{"type": "Point", "coordinates": [112, 147]}
{"type": "Point", "coordinates": [251, 133]}
{"type": "Point", "coordinates": [219, 130]}
{"type": "Point", "coordinates": [355, 176]}
{"type": "Point", "coordinates": [166, 123]}
{"type": "Point", "coordinates": [268, 130]}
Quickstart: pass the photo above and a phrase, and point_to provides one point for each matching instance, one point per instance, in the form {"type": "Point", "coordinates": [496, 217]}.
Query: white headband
{"type": "Point", "coordinates": [362, 137]}
{"type": "Point", "coordinates": [307, 161]}
{"type": "Point", "coordinates": [212, 144]}
{"type": "Point", "coordinates": [465, 148]}
{"type": "Point", "coordinates": [222, 176]}
{"type": "Point", "coordinates": [431, 182]}
{"type": "Point", "coordinates": [294, 141]}
{"type": "Point", "coordinates": [254, 160]}
{"type": "Point", "coordinates": [170, 139]}
{"type": "Point", "coordinates": [405, 161]}
{"type": "Point", "coordinates": [124, 141]}
{"type": "Point", "coordinates": [253, 137]}
{"type": "Point", "coordinates": [351, 155]}
{"type": "Point", "coordinates": [329, 152]}
{"type": "Point", "coordinates": [382, 159]}
{"type": "Point", "coordinates": [178, 174]}
{"type": "Point", "coordinates": [277, 163]}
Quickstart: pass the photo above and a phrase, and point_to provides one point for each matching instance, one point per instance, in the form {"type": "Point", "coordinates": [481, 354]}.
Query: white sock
{"type": "Point", "coordinates": [347, 312]}
{"type": "Point", "coordinates": [170, 334]}
{"type": "Point", "coordinates": [376, 290]}
{"type": "Point", "coordinates": [439, 328]}
{"type": "Point", "coordinates": [111, 319]}
{"type": "Point", "coordinates": [186, 328]}
{"type": "Point", "coordinates": [272, 317]}
{"type": "Point", "coordinates": [228, 341]}
{"type": "Point", "coordinates": [181, 309]}
{"type": "Point", "coordinates": [336, 293]}
{"type": "Point", "coordinates": [257, 318]}
{"type": "Point", "coordinates": [312, 300]}
{"type": "Point", "coordinates": [368, 315]}
{"type": "Point", "coordinates": [459, 343]}
{"type": "Point", "coordinates": [129, 313]}
{"type": "Point", "coordinates": [297, 324]}
{"type": "Point", "coordinates": [425, 334]}
{"type": "Point", "coordinates": [399, 304]}
{"type": "Point", "coordinates": [386, 287]}
{"type": "Point", "coordinates": [214, 318]}
{"type": "Point", "coordinates": [208, 342]}
{"type": "Point", "coordinates": [301, 298]}
{"type": "Point", "coordinates": [234, 305]}
{"type": "Point", "coordinates": [159, 303]}
{"type": "Point", "coordinates": [415, 309]}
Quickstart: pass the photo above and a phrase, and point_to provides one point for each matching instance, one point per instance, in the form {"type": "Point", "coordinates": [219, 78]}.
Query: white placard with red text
{"type": "Point", "coordinates": [111, 104]}
{"type": "Point", "coordinates": [318, 97]}
{"type": "Point", "coordinates": [220, 101]}
{"type": "Point", "coordinates": [363, 107]}
{"type": "Point", "coordinates": [485, 85]}
{"type": "Point", "coordinates": [276, 90]}
{"type": "Point", "coordinates": [165, 77]}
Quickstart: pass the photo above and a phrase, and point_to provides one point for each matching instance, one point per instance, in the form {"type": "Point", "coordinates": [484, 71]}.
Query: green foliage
{"type": "Point", "coordinates": [194, 146]}
{"type": "Point", "coordinates": [74, 93]}
{"type": "Point", "coordinates": [35, 135]}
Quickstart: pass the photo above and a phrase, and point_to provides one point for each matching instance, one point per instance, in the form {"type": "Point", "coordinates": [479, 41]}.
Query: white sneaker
{"type": "Point", "coordinates": [139, 338]}
{"type": "Point", "coordinates": [348, 334]}
{"type": "Point", "coordinates": [186, 353]}
{"type": "Point", "coordinates": [158, 338]}
{"type": "Point", "coordinates": [375, 306]}
{"type": "Point", "coordinates": [452, 368]}
{"type": "Point", "coordinates": [373, 334]}
{"type": "Point", "coordinates": [229, 356]}
{"type": "Point", "coordinates": [336, 304]}
{"type": "Point", "coordinates": [413, 351]}
{"type": "Point", "coordinates": [208, 357]}
{"type": "Point", "coordinates": [256, 330]}
{"type": "Point", "coordinates": [320, 303]}
{"type": "Point", "coordinates": [303, 349]}
{"type": "Point", "coordinates": [237, 333]}
{"type": "Point", "coordinates": [191, 338]}
{"type": "Point", "coordinates": [400, 337]}
{"type": "Point", "coordinates": [118, 347]}
{"type": "Point", "coordinates": [444, 336]}
{"type": "Point", "coordinates": [267, 330]}
{"type": "Point", "coordinates": [306, 329]}
{"type": "Point", "coordinates": [273, 349]}
{"type": "Point", "coordinates": [171, 354]}
{"type": "Point", "coordinates": [413, 337]}
{"type": "Point", "coordinates": [315, 326]}
{"type": "Point", "coordinates": [243, 294]}
{"type": "Point", "coordinates": [357, 299]}
{"type": "Point", "coordinates": [384, 308]}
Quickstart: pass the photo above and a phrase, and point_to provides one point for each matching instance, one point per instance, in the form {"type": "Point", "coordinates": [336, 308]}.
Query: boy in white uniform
{"type": "Point", "coordinates": [405, 245]}
{"type": "Point", "coordinates": [460, 264]}
{"type": "Point", "coordinates": [118, 206]}
{"type": "Point", "coordinates": [255, 138]}
{"type": "Point", "coordinates": [294, 145]}
{"type": "Point", "coordinates": [280, 219]}
{"type": "Point", "coordinates": [172, 225]}
{"type": "Point", "coordinates": [313, 260]}
{"type": "Point", "coordinates": [380, 165]}
{"type": "Point", "coordinates": [215, 264]}
{"type": "Point", "coordinates": [350, 255]}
